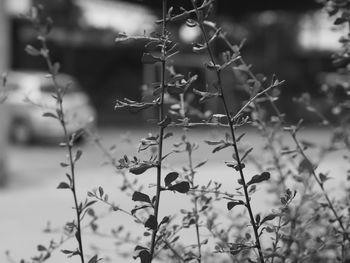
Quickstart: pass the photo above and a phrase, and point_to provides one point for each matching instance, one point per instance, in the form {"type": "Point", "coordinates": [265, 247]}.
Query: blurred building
{"type": "Point", "coordinates": [283, 37]}
{"type": "Point", "coordinates": [82, 40]}
{"type": "Point", "coordinates": [4, 62]}
{"type": "Point", "coordinates": [4, 34]}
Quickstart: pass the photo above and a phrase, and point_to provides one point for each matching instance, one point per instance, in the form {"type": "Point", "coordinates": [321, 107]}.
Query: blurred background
{"type": "Point", "coordinates": [292, 39]}
{"type": "Point", "coordinates": [289, 38]}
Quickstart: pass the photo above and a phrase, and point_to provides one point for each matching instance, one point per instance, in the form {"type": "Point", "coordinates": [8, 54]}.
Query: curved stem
{"type": "Point", "coordinates": [320, 184]}
{"type": "Point", "coordinates": [235, 147]}
{"type": "Point", "coordinates": [69, 146]}
{"type": "Point", "coordinates": [301, 151]}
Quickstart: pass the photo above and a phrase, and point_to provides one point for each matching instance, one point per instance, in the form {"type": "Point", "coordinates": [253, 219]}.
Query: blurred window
{"type": "Point", "coordinates": [317, 32]}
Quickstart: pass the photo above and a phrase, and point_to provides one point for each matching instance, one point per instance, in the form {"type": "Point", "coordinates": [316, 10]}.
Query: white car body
{"type": "Point", "coordinates": [30, 95]}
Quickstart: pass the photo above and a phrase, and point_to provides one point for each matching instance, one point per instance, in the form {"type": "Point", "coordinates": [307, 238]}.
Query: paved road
{"type": "Point", "coordinates": [30, 200]}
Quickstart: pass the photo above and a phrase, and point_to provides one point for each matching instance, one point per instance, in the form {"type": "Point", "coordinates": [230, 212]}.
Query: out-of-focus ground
{"type": "Point", "coordinates": [31, 200]}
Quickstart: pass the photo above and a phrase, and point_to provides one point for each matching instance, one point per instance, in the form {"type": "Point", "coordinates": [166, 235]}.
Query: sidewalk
{"type": "Point", "coordinates": [32, 200]}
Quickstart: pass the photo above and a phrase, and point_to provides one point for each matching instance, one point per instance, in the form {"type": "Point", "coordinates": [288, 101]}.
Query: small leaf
{"type": "Point", "coordinates": [182, 187]}
{"type": "Point", "coordinates": [200, 164]}
{"type": "Point", "coordinates": [171, 177]}
{"type": "Point", "coordinates": [232, 204]}
{"type": "Point", "coordinates": [100, 190]}
{"type": "Point", "coordinates": [323, 177]}
{"type": "Point", "coordinates": [339, 21]}
{"type": "Point", "coordinates": [90, 203]}
{"type": "Point", "coordinates": [213, 143]}
{"type": "Point", "coordinates": [205, 95]}
{"type": "Point", "coordinates": [41, 248]}
{"type": "Point", "coordinates": [47, 255]}
{"type": "Point", "coordinates": [270, 229]}
{"type": "Point", "coordinates": [305, 166]}
{"type": "Point", "coordinates": [50, 115]}
{"type": "Point", "coordinates": [65, 251]}
{"type": "Point", "coordinates": [210, 65]}
{"type": "Point", "coordinates": [140, 168]}
{"type": "Point", "coordinates": [77, 237]}
{"type": "Point", "coordinates": [141, 197]}
{"type": "Point", "coordinates": [139, 248]}
{"type": "Point", "coordinates": [268, 218]}
{"type": "Point", "coordinates": [32, 51]}
{"type": "Point", "coordinates": [259, 178]}
{"type": "Point", "coordinates": [145, 256]}
{"type": "Point", "coordinates": [69, 177]}
{"type": "Point", "coordinates": [174, 89]}
{"type": "Point", "coordinates": [64, 164]}
{"type": "Point", "coordinates": [93, 259]}
{"type": "Point", "coordinates": [167, 135]}
{"type": "Point", "coordinates": [133, 106]}
{"type": "Point", "coordinates": [63, 185]}
{"type": "Point", "coordinates": [257, 219]}
{"type": "Point", "coordinates": [133, 211]}
{"type": "Point", "coordinates": [283, 200]}
{"type": "Point", "coordinates": [197, 47]}
{"type": "Point", "coordinates": [121, 37]}
{"type": "Point", "coordinates": [78, 155]}
{"type": "Point", "coordinates": [151, 222]}
{"type": "Point", "coordinates": [246, 153]}
{"type": "Point", "coordinates": [221, 147]}
{"type": "Point", "coordinates": [165, 220]}
{"type": "Point", "coordinates": [235, 166]}
{"type": "Point", "coordinates": [219, 117]}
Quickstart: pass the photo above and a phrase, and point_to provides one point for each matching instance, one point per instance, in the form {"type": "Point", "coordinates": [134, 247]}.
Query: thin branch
{"type": "Point", "coordinates": [263, 92]}
{"type": "Point", "coordinates": [68, 142]}
{"type": "Point", "coordinates": [236, 151]}
{"type": "Point", "coordinates": [161, 129]}
{"type": "Point", "coordinates": [320, 184]}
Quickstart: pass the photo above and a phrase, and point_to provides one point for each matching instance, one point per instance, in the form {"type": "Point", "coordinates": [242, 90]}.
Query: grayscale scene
{"type": "Point", "coordinates": [174, 131]}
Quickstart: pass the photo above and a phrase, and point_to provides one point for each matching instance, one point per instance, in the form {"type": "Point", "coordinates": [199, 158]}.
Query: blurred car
{"type": "Point", "coordinates": [30, 95]}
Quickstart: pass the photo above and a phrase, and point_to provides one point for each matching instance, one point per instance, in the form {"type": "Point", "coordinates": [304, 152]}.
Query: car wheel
{"type": "Point", "coordinates": [21, 132]}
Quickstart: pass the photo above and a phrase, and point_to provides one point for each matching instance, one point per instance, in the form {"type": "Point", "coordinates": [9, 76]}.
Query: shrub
{"type": "Point", "coordinates": [304, 225]}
